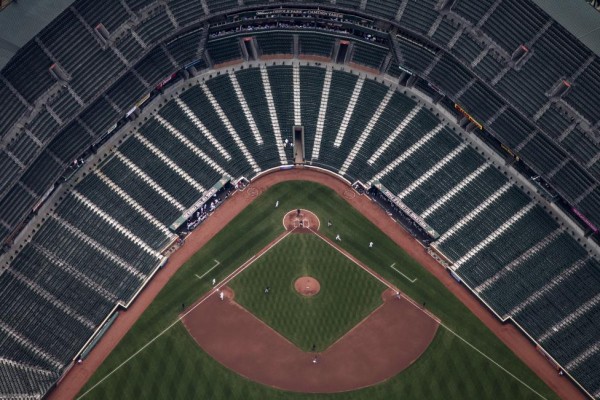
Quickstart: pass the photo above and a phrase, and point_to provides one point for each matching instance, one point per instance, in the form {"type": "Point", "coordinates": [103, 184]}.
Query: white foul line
{"type": "Point", "coordinates": [350, 257]}
{"type": "Point", "coordinates": [433, 317]}
{"type": "Point", "coordinates": [407, 278]}
{"type": "Point", "coordinates": [302, 209]}
{"type": "Point", "coordinates": [207, 272]}
{"type": "Point", "coordinates": [217, 288]}
{"type": "Point", "coordinates": [247, 264]}
{"type": "Point", "coordinates": [491, 360]}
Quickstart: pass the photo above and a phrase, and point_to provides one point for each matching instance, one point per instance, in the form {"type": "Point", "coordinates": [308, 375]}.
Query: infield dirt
{"type": "Point", "coordinates": [77, 377]}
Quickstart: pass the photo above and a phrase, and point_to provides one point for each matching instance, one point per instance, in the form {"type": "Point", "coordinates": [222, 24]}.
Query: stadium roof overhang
{"type": "Point", "coordinates": [578, 17]}
{"type": "Point", "coordinates": [21, 21]}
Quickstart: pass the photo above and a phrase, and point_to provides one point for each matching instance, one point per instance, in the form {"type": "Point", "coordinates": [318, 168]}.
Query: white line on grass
{"type": "Point", "coordinates": [389, 285]}
{"type": "Point", "coordinates": [302, 209]}
{"type": "Point", "coordinates": [385, 283]}
{"type": "Point", "coordinates": [491, 360]}
{"type": "Point", "coordinates": [217, 288]}
{"type": "Point", "coordinates": [249, 262]}
{"type": "Point", "coordinates": [380, 279]}
{"type": "Point", "coordinates": [207, 272]}
{"type": "Point", "coordinates": [410, 280]}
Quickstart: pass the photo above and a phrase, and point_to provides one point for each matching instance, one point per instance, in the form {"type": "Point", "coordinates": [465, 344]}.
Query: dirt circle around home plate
{"type": "Point", "coordinates": [307, 286]}
{"type": "Point", "coordinates": [301, 221]}
{"type": "Point", "coordinates": [362, 357]}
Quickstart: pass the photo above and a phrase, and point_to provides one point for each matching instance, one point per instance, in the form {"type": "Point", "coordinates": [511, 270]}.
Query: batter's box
{"type": "Point", "coordinates": [305, 223]}
{"type": "Point", "coordinates": [300, 218]}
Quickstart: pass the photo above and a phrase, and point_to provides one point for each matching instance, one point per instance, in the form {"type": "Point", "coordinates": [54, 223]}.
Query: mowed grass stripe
{"type": "Point", "coordinates": [348, 293]}
{"type": "Point", "coordinates": [448, 370]}
{"type": "Point", "coordinates": [174, 367]}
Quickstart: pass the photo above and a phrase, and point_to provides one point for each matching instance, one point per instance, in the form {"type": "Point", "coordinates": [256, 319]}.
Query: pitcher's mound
{"type": "Point", "coordinates": [301, 221]}
{"type": "Point", "coordinates": [307, 286]}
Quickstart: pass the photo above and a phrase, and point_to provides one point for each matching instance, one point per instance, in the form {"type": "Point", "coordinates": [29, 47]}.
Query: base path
{"type": "Point", "coordinates": [76, 378]}
{"type": "Point", "coordinates": [386, 342]}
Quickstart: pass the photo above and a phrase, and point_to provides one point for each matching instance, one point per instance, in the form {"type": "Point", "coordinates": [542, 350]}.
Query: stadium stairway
{"type": "Point", "coordinates": [105, 239]}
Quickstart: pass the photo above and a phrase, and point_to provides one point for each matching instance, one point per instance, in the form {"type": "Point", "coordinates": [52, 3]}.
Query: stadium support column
{"type": "Point", "coordinates": [401, 9]}
{"type": "Point", "coordinates": [202, 44]}
{"type": "Point", "coordinates": [205, 7]}
{"type": "Point", "coordinates": [444, 5]}
{"type": "Point", "coordinates": [404, 77]}
{"type": "Point", "coordinates": [58, 73]}
{"type": "Point", "coordinates": [386, 63]}
{"type": "Point", "coordinates": [411, 81]}
{"type": "Point", "coordinates": [397, 49]}
{"type": "Point", "coordinates": [208, 59]}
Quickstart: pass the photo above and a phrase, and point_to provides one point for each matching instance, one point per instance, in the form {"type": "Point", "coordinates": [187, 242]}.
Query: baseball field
{"type": "Point", "coordinates": [348, 293]}
{"type": "Point", "coordinates": [173, 353]}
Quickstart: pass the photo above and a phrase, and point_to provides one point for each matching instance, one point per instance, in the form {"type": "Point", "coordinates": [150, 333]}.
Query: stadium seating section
{"type": "Point", "coordinates": [104, 239]}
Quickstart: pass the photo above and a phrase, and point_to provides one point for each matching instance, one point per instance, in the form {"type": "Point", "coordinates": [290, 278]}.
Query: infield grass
{"type": "Point", "coordinates": [174, 367]}
{"type": "Point", "coordinates": [348, 293]}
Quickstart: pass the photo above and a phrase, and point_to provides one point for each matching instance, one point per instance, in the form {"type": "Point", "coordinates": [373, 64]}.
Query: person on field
{"type": "Point", "coordinates": [370, 244]}
{"type": "Point", "coordinates": [222, 295]}
{"type": "Point", "coordinates": [277, 204]}
{"type": "Point", "coordinates": [338, 238]}
{"type": "Point", "coordinates": [329, 223]}
{"type": "Point", "coordinates": [214, 281]}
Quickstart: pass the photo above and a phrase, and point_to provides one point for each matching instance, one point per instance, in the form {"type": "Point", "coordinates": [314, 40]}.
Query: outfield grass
{"type": "Point", "coordinates": [173, 367]}
{"type": "Point", "coordinates": [348, 293]}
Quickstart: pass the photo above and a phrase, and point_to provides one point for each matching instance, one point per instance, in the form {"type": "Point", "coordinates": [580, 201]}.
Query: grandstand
{"type": "Point", "coordinates": [117, 120]}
